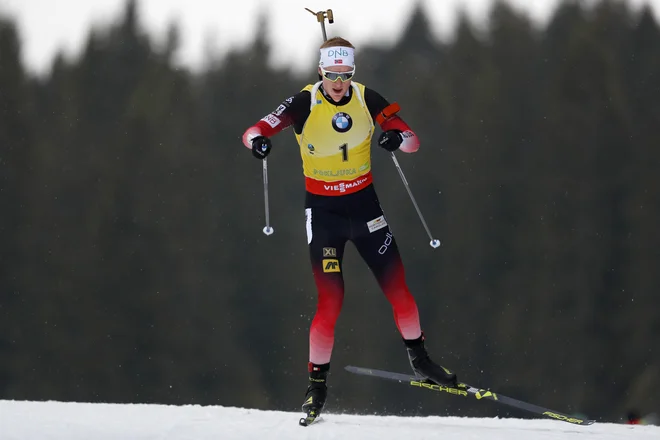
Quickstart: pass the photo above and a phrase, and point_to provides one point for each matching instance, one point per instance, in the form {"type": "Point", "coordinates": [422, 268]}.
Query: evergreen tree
{"type": "Point", "coordinates": [16, 142]}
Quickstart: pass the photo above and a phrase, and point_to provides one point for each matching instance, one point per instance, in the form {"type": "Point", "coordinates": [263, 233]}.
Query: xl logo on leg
{"type": "Point", "coordinates": [331, 265]}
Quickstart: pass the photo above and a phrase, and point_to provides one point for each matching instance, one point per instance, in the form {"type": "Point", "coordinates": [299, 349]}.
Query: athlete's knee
{"type": "Point", "coordinates": [329, 306]}
{"type": "Point", "coordinates": [330, 299]}
{"type": "Point", "coordinates": [401, 298]}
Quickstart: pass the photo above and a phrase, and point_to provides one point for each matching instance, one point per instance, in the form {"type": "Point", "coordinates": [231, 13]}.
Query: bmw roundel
{"type": "Point", "coordinates": [342, 122]}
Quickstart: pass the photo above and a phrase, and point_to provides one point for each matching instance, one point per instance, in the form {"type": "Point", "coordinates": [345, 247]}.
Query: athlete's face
{"type": "Point", "coordinates": [337, 89]}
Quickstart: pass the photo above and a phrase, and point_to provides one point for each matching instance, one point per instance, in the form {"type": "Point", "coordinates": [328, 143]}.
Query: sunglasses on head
{"type": "Point", "coordinates": [334, 76]}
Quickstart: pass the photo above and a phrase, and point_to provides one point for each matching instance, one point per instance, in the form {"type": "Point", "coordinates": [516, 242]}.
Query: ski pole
{"type": "Point", "coordinates": [268, 230]}
{"type": "Point", "coordinates": [435, 243]}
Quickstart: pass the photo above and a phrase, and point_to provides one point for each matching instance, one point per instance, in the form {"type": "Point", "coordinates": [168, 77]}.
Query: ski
{"type": "Point", "coordinates": [465, 390]}
{"type": "Point", "coordinates": [311, 417]}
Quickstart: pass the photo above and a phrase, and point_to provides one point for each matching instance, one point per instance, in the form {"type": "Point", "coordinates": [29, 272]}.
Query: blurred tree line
{"type": "Point", "coordinates": [133, 267]}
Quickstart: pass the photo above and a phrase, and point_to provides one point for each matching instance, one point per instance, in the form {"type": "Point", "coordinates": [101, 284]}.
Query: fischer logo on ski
{"type": "Point", "coordinates": [434, 387]}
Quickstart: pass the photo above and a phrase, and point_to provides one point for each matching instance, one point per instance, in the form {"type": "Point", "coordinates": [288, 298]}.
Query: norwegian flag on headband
{"type": "Point", "coordinates": [339, 61]}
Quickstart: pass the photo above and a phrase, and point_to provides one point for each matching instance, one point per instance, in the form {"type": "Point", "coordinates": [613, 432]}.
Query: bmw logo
{"type": "Point", "coordinates": [342, 122]}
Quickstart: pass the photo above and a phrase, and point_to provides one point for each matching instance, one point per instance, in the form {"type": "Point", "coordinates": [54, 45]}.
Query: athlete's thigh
{"type": "Point", "coordinates": [326, 238]}
{"type": "Point", "coordinates": [375, 241]}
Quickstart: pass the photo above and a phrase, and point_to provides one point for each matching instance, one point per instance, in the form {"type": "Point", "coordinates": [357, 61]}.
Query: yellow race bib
{"type": "Point", "coordinates": [335, 144]}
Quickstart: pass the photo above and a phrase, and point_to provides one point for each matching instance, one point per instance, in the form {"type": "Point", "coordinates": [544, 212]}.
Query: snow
{"type": "Point", "coordinates": [22, 420]}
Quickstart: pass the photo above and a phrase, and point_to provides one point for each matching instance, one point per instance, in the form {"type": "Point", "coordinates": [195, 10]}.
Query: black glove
{"type": "Point", "coordinates": [261, 146]}
{"type": "Point", "coordinates": [391, 139]}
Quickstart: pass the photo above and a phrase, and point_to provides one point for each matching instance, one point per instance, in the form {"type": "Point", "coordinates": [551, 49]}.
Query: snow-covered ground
{"type": "Point", "coordinates": [84, 421]}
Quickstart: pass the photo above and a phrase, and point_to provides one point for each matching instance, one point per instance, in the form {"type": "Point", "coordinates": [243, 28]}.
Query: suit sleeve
{"type": "Point", "coordinates": [376, 104]}
{"type": "Point", "coordinates": [292, 111]}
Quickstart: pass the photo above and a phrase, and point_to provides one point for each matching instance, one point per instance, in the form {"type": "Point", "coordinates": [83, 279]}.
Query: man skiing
{"type": "Point", "coordinates": [333, 121]}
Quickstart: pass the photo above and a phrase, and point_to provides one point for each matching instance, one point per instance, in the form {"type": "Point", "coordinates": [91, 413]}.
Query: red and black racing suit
{"type": "Point", "coordinates": [332, 220]}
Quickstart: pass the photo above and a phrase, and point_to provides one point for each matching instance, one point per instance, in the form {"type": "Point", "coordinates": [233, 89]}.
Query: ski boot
{"type": "Point", "coordinates": [424, 367]}
{"type": "Point", "coordinates": [316, 393]}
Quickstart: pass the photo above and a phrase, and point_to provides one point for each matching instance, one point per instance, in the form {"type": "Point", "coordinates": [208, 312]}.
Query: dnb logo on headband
{"type": "Point", "coordinates": [336, 52]}
{"type": "Point", "coordinates": [342, 122]}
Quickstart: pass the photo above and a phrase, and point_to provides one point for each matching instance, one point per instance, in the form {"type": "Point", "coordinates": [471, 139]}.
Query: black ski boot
{"type": "Point", "coordinates": [317, 391]}
{"type": "Point", "coordinates": [424, 367]}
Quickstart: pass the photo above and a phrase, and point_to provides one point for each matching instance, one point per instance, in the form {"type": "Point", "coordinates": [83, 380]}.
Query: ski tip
{"type": "Point", "coordinates": [573, 420]}
{"type": "Point", "coordinates": [311, 416]}
{"type": "Point", "coordinates": [580, 422]}
{"type": "Point", "coordinates": [306, 421]}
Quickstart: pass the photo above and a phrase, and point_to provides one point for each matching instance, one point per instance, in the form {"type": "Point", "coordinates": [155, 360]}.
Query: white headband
{"type": "Point", "coordinates": [337, 56]}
